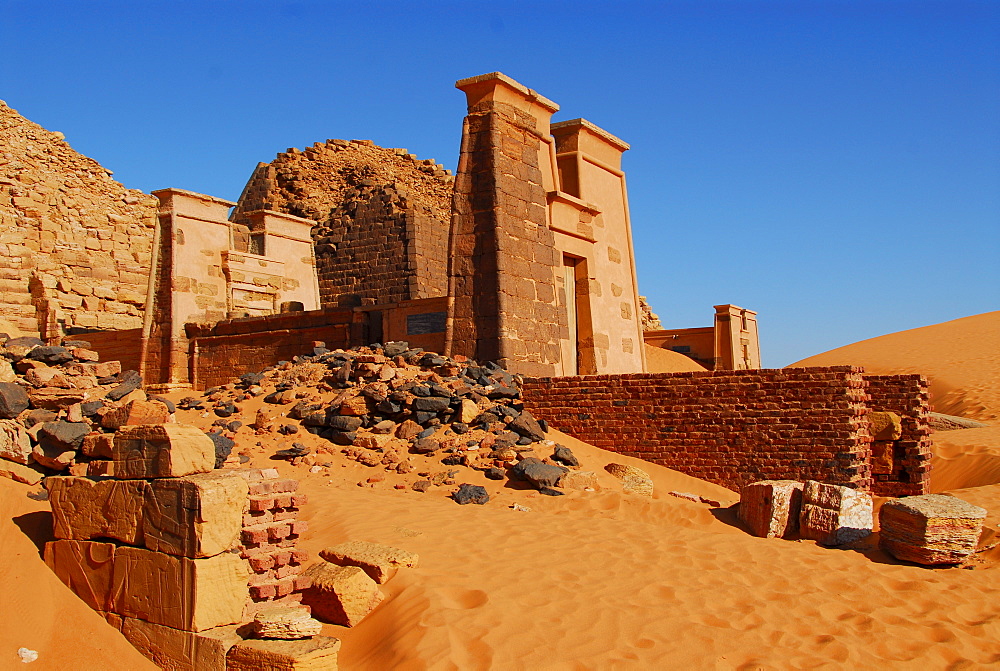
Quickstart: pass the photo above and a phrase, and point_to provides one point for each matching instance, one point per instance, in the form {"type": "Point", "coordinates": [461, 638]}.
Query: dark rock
{"type": "Point", "coordinates": [467, 494]}
{"type": "Point", "coordinates": [453, 460]}
{"type": "Point", "coordinates": [548, 491]}
{"type": "Point", "coordinates": [396, 348]}
{"type": "Point", "coordinates": [90, 408]}
{"type": "Point", "coordinates": [190, 403]}
{"type": "Point", "coordinates": [385, 426]}
{"type": "Point", "coordinates": [431, 404]}
{"type": "Point", "coordinates": [423, 417]}
{"type": "Point", "coordinates": [234, 426]}
{"type": "Point", "coordinates": [72, 344]}
{"type": "Point", "coordinates": [504, 392]}
{"type": "Point", "coordinates": [223, 447]}
{"type": "Point", "coordinates": [545, 425]}
{"type": "Point", "coordinates": [288, 429]}
{"type": "Point", "coordinates": [13, 400]}
{"type": "Point", "coordinates": [342, 437]}
{"type": "Point", "coordinates": [388, 407]}
{"type": "Point", "coordinates": [438, 390]}
{"type": "Point", "coordinates": [425, 446]}
{"type": "Point", "coordinates": [250, 379]}
{"type": "Point", "coordinates": [421, 485]}
{"type": "Point", "coordinates": [524, 440]}
{"type": "Point", "coordinates": [486, 418]}
{"type": "Point", "coordinates": [460, 428]}
{"type": "Point", "coordinates": [526, 425]}
{"type": "Point", "coordinates": [225, 410]}
{"type": "Point", "coordinates": [421, 390]}
{"type": "Point", "coordinates": [63, 435]}
{"type": "Point", "coordinates": [494, 473]}
{"type": "Point", "coordinates": [303, 409]}
{"type": "Point", "coordinates": [318, 419]}
{"type": "Point", "coordinates": [38, 416]}
{"type": "Point", "coordinates": [426, 433]}
{"type": "Point", "coordinates": [343, 423]}
{"type": "Point", "coordinates": [536, 472]}
{"type": "Point", "coordinates": [296, 450]}
{"type": "Point", "coordinates": [25, 341]}
{"type": "Point", "coordinates": [51, 355]}
{"type": "Point", "coordinates": [564, 455]}
{"type": "Point", "coordinates": [130, 380]}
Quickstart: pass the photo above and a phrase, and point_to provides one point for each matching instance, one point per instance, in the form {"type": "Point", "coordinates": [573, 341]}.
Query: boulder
{"type": "Point", "coordinates": [63, 435]}
{"type": "Point", "coordinates": [288, 623]}
{"type": "Point", "coordinates": [341, 595]}
{"type": "Point", "coordinates": [538, 473]}
{"type": "Point", "coordinates": [526, 425]}
{"type": "Point", "coordinates": [13, 400]}
{"type": "Point", "coordinates": [565, 456]}
{"type": "Point", "coordinates": [834, 515]}
{"type": "Point", "coordinates": [467, 494]}
{"type": "Point", "coordinates": [931, 529]}
{"type": "Point", "coordinates": [771, 508]}
{"type": "Point", "coordinates": [634, 480]}
{"type": "Point", "coordinates": [378, 561]}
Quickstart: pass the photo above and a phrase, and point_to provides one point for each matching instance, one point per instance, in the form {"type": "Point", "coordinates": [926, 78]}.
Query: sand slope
{"type": "Point", "coordinates": [659, 360]}
{"type": "Point", "coordinates": [40, 613]}
{"type": "Point", "coordinates": [961, 358]}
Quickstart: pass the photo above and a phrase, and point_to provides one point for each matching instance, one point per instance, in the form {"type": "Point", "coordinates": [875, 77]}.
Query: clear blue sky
{"type": "Point", "coordinates": [833, 165]}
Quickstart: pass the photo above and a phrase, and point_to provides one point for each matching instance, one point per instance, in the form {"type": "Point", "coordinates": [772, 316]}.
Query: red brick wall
{"type": "Point", "coordinates": [728, 427]}
{"type": "Point", "coordinates": [124, 346]}
{"type": "Point", "coordinates": [909, 397]}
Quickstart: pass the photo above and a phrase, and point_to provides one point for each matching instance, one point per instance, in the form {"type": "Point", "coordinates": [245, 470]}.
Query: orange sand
{"type": "Point", "coordinates": [596, 580]}
{"type": "Point", "coordinates": [659, 360]}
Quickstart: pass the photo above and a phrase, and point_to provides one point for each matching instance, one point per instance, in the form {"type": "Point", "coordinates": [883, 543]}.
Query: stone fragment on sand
{"type": "Point", "coordinates": [136, 412]}
{"type": "Point", "coordinates": [467, 494]}
{"type": "Point", "coordinates": [308, 654]}
{"type": "Point", "coordinates": [835, 515]}
{"type": "Point", "coordinates": [565, 456]}
{"type": "Point", "coordinates": [634, 480]}
{"type": "Point", "coordinates": [83, 509]}
{"type": "Point", "coordinates": [195, 515]}
{"type": "Point", "coordinates": [580, 480]}
{"type": "Point", "coordinates": [537, 473]}
{"type": "Point", "coordinates": [287, 623]}
{"type": "Point", "coordinates": [13, 400]}
{"type": "Point", "coordinates": [885, 425]}
{"type": "Point", "coordinates": [526, 425]}
{"type": "Point", "coordinates": [162, 451]}
{"type": "Point", "coordinates": [930, 529]}
{"type": "Point", "coordinates": [378, 561]}
{"type": "Point", "coordinates": [341, 595]}
{"type": "Point", "coordinates": [15, 445]}
{"type": "Point", "coordinates": [29, 475]}
{"type": "Point", "coordinates": [771, 508]}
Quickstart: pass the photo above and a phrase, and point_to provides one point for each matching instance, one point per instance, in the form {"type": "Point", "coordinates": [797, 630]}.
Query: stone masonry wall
{"type": "Point", "coordinates": [909, 397]}
{"type": "Point", "coordinates": [74, 243]}
{"type": "Point", "coordinates": [503, 255]}
{"type": "Point", "coordinates": [382, 217]}
{"type": "Point", "coordinates": [728, 427]}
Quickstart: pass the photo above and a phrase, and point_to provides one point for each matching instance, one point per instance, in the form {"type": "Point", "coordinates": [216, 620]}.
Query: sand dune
{"type": "Point", "coordinates": [961, 358]}
{"type": "Point", "coordinates": [659, 360]}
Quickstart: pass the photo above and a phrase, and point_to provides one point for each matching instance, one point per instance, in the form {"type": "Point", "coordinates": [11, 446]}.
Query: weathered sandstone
{"type": "Point", "coordinates": [835, 515]}
{"type": "Point", "coordinates": [162, 451]}
{"type": "Point", "coordinates": [930, 529]}
{"type": "Point", "coordinates": [341, 595]}
{"type": "Point", "coordinates": [378, 561]}
{"type": "Point", "coordinates": [771, 508]}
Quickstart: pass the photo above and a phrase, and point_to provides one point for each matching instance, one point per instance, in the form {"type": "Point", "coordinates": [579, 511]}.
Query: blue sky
{"type": "Point", "coordinates": [833, 165]}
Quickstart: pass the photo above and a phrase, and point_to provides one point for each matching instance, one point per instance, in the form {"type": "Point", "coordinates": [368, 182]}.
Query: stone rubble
{"type": "Point", "coordinates": [835, 515]}
{"type": "Point", "coordinates": [771, 508]}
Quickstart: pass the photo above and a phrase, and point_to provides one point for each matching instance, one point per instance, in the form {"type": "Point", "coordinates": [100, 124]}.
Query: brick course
{"type": "Point", "coordinates": [909, 397]}
{"type": "Point", "coordinates": [736, 427]}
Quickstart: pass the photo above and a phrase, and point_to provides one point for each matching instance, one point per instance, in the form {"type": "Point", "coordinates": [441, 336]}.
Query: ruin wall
{"type": "Point", "coordinates": [728, 427]}
{"type": "Point", "coordinates": [907, 462]}
{"type": "Point", "coordinates": [74, 243]}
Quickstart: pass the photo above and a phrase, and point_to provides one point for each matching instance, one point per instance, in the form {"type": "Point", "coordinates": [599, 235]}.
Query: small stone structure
{"type": "Point", "coordinates": [731, 343]}
{"type": "Point", "coordinates": [931, 529]}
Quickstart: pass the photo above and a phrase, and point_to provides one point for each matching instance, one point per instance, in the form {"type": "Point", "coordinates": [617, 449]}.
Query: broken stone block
{"type": "Point", "coordinates": [195, 515]}
{"type": "Point", "coordinates": [179, 592]}
{"type": "Point", "coordinates": [13, 399]}
{"type": "Point", "coordinates": [634, 480]}
{"type": "Point", "coordinates": [29, 475]}
{"type": "Point", "coordinates": [885, 426]}
{"type": "Point", "coordinates": [378, 561]}
{"type": "Point", "coordinates": [98, 445]}
{"type": "Point", "coordinates": [53, 398]}
{"type": "Point", "coordinates": [308, 654]}
{"type": "Point", "coordinates": [62, 436]}
{"type": "Point", "coordinates": [55, 458]}
{"type": "Point", "coordinates": [341, 595]}
{"type": "Point", "coordinates": [15, 444]}
{"type": "Point", "coordinates": [930, 529]}
{"type": "Point", "coordinates": [285, 623]}
{"type": "Point", "coordinates": [834, 515]}
{"type": "Point", "coordinates": [161, 451]}
{"type": "Point", "coordinates": [771, 508]}
{"type": "Point", "coordinates": [136, 412]}
{"type": "Point", "coordinates": [580, 480]}
{"type": "Point", "coordinates": [179, 650]}
{"type": "Point", "coordinates": [467, 412]}
{"type": "Point", "coordinates": [83, 509]}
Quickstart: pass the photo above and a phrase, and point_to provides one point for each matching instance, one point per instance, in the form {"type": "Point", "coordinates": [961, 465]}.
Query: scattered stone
{"type": "Point", "coordinates": [421, 485]}
{"type": "Point", "coordinates": [222, 446]}
{"type": "Point", "coordinates": [378, 561]}
{"type": "Point", "coordinates": [13, 400]}
{"type": "Point", "coordinates": [634, 480]}
{"type": "Point", "coordinates": [931, 529]}
{"type": "Point", "coordinates": [771, 508]}
{"type": "Point", "coordinates": [834, 515]}
{"type": "Point", "coordinates": [285, 623]}
{"type": "Point", "coordinates": [467, 494]}
{"type": "Point", "coordinates": [565, 456]}
{"type": "Point", "coordinates": [538, 473]}
{"type": "Point", "coordinates": [342, 595]}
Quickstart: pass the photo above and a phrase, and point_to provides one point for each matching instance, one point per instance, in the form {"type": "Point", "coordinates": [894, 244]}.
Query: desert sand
{"type": "Point", "coordinates": [602, 579]}
{"type": "Point", "coordinates": [659, 360]}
